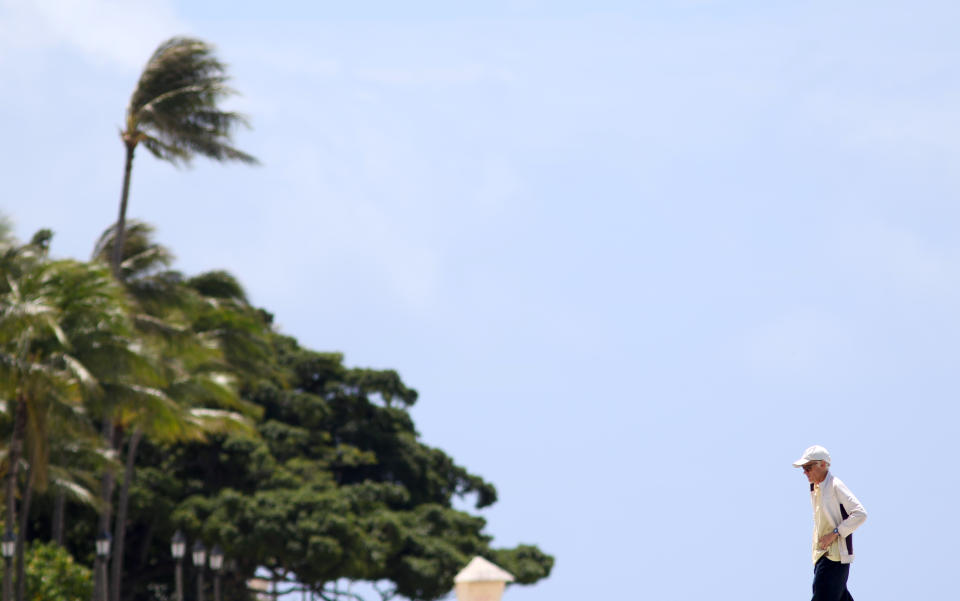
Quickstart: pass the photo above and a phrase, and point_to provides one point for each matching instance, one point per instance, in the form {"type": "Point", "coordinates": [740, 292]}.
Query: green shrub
{"type": "Point", "coordinates": [53, 575]}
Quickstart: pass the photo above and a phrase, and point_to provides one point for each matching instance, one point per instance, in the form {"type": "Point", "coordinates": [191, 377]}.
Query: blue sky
{"type": "Point", "coordinates": [635, 256]}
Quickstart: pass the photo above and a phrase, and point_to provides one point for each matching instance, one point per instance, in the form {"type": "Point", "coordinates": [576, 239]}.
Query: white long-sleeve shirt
{"type": "Point", "coordinates": [842, 510]}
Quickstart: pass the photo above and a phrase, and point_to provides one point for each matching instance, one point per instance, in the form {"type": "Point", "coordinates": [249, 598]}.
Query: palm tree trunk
{"type": "Point", "coordinates": [106, 496]}
{"type": "Point", "coordinates": [145, 544]}
{"type": "Point", "coordinates": [122, 217]}
{"type": "Point", "coordinates": [16, 450]}
{"type": "Point", "coordinates": [22, 539]}
{"type": "Point", "coordinates": [119, 530]}
{"type": "Point", "coordinates": [59, 510]}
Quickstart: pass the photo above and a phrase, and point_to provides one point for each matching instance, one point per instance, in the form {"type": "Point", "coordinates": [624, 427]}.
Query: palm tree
{"type": "Point", "coordinates": [38, 373]}
{"type": "Point", "coordinates": [174, 112]}
{"type": "Point", "coordinates": [95, 318]}
{"type": "Point", "coordinates": [191, 362]}
{"type": "Point", "coordinates": [77, 458]}
{"type": "Point", "coordinates": [68, 350]}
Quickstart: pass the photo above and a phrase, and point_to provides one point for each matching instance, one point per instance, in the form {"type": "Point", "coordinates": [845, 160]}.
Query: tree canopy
{"type": "Point", "coordinates": [329, 482]}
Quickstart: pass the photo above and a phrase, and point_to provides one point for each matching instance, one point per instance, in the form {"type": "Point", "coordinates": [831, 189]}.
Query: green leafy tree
{"type": "Point", "coordinates": [339, 486]}
{"type": "Point", "coordinates": [332, 484]}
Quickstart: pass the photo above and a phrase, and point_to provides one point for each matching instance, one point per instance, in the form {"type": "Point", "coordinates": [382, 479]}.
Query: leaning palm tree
{"type": "Point", "coordinates": [174, 111]}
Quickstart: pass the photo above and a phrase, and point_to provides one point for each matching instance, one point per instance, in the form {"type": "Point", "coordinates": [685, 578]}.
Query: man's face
{"type": "Point", "coordinates": [815, 471]}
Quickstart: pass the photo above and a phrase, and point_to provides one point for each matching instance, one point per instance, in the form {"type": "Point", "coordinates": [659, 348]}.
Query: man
{"type": "Point", "coordinates": [836, 514]}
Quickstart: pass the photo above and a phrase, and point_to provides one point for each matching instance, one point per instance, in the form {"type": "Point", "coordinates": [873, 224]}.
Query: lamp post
{"type": "Point", "coordinates": [481, 581]}
{"type": "Point", "coordinates": [199, 560]}
{"type": "Point", "coordinates": [216, 564]}
{"type": "Point", "coordinates": [8, 546]}
{"type": "Point", "coordinates": [178, 546]}
{"type": "Point", "coordinates": [103, 551]}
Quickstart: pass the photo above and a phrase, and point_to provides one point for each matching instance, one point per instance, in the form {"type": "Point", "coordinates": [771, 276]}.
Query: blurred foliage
{"type": "Point", "coordinates": [330, 482]}
{"type": "Point", "coordinates": [53, 575]}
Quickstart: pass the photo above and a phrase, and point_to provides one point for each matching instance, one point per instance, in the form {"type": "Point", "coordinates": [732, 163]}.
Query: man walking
{"type": "Point", "coordinates": [836, 514]}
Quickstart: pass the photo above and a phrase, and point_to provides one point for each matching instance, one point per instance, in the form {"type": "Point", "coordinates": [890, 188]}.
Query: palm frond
{"type": "Point", "coordinates": [66, 481]}
{"type": "Point", "coordinates": [218, 421]}
{"type": "Point", "coordinates": [214, 389]}
{"type": "Point", "coordinates": [218, 284]}
{"type": "Point", "coordinates": [140, 255]}
{"type": "Point", "coordinates": [159, 327]}
{"type": "Point", "coordinates": [174, 109]}
{"type": "Point", "coordinates": [80, 372]}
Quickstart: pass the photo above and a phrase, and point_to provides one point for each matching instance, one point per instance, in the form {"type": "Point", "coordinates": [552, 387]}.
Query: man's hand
{"type": "Point", "coordinates": [826, 540]}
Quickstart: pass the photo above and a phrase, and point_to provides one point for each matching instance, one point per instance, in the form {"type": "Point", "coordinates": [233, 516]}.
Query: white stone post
{"type": "Point", "coordinates": [481, 581]}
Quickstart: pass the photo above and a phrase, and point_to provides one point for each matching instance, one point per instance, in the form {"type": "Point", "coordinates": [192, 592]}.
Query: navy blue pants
{"type": "Point", "coordinates": [830, 581]}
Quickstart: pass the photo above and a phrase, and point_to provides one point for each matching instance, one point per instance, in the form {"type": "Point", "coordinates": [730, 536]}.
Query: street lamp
{"type": "Point", "coordinates": [199, 560]}
{"type": "Point", "coordinates": [8, 546]}
{"type": "Point", "coordinates": [178, 546]}
{"type": "Point", "coordinates": [103, 544]}
{"type": "Point", "coordinates": [103, 551]}
{"type": "Point", "coordinates": [481, 581]}
{"type": "Point", "coordinates": [216, 564]}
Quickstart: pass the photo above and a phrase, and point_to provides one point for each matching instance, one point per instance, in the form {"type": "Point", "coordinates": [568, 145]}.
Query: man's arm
{"type": "Point", "coordinates": [856, 514]}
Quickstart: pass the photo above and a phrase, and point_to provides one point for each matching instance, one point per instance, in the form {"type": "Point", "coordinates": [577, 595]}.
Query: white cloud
{"type": "Point", "coordinates": [123, 32]}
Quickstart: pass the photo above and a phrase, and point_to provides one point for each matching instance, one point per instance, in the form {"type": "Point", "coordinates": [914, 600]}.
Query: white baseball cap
{"type": "Point", "coordinates": [814, 453]}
